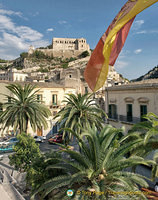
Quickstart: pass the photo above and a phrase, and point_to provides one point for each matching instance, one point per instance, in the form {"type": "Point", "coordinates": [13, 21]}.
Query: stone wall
{"type": "Point", "coordinates": [61, 53]}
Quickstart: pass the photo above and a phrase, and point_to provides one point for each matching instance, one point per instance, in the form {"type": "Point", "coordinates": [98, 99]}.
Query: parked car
{"type": "Point", "coordinates": [56, 138]}
{"type": "Point", "coordinates": [38, 138]}
{"type": "Point", "coordinates": [44, 137]}
{"type": "Point", "coordinates": [11, 141]}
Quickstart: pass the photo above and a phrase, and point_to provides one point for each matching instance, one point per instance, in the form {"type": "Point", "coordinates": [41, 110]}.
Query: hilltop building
{"type": "Point", "coordinates": [64, 47]}
{"type": "Point", "coordinates": [70, 44]}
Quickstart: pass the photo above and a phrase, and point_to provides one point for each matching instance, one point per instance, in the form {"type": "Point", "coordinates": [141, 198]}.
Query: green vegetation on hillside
{"type": "Point", "coordinates": [42, 70]}
{"type": "Point", "coordinates": [3, 61]}
{"type": "Point", "coordinates": [24, 55]}
{"type": "Point", "coordinates": [64, 66]}
{"type": "Point", "coordinates": [4, 67]}
{"type": "Point", "coordinates": [84, 54]}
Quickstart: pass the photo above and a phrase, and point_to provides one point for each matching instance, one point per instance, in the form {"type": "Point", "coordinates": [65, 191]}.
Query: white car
{"type": "Point", "coordinates": [10, 141]}
{"type": "Point", "coordinates": [44, 137]}
{"type": "Point", "coordinates": [38, 138]}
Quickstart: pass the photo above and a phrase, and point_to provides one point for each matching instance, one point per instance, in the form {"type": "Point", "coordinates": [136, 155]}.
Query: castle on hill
{"type": "Point", "coordinates": [64, 47]}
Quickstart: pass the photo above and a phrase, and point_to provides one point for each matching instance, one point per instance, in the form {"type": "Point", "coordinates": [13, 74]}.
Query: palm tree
{"type": "Point", "coordinates": [80, 111]}
{"type": "Point", "coordinates": [147, 133]}
{"type": "Point", "coordinates": [23, 108]}
{"type": "Point", "coordinates": [99, 171]}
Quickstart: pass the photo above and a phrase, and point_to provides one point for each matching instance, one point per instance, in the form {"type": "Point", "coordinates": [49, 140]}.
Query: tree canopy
{"type": "Point", "coordinates": [22, 107]}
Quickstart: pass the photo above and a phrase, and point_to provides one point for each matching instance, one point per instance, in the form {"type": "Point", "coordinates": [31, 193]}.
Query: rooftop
{"type": "Point", "coordinates": [38, 84]}
{"type": "Point", "coordinates": [144, 84]}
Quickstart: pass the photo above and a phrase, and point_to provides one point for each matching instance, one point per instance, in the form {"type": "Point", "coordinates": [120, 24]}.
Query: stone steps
{"type": "Point", "coordinates": [8, 183]}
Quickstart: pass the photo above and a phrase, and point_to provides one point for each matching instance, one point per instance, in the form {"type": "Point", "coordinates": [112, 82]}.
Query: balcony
{"type": "Point", "coordinates": [126, 119]}
{"type": "Point", "coordinates": [55, 105]}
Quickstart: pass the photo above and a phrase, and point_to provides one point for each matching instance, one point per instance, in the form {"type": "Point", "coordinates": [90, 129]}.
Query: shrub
{"type": "Point", "coordinates": [84, 54]}
{"type": "Point", "coordinates": [42, 70]}
{"type": "Point", "coordinates": [26, 151]}
{"type": "Point", "coordinates": [65, 65]}
{"type": "Point", "coordinates": [39, 55]}
{"type": "Point", "coordinates": [24, 55]}
{"type": "Point", "coordinates": [3, 61]}
{"type": "Point", "coordinates": [40, 171]}
{"type": "Point", "coordinates": [72, 59]}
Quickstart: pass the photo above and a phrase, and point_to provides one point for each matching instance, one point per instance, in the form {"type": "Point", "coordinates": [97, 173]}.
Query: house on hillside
{"type": "Point", "coordinates": [13, 75]}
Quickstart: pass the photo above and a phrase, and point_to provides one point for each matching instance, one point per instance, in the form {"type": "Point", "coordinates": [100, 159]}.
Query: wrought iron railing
{"type": "Point", "coordinates": [123, 118]}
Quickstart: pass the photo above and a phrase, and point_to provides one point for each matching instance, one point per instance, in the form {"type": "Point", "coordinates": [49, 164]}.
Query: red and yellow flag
{"type": "Point", "coordinates": [111, 43]}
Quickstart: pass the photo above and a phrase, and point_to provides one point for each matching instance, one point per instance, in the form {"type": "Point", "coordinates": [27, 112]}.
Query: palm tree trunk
{"type": "Point", "coordinates": [26, 126]}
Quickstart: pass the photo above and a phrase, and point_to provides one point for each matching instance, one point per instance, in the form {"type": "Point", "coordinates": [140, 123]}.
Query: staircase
{"type": "Point", "coordinates": [9, 182]}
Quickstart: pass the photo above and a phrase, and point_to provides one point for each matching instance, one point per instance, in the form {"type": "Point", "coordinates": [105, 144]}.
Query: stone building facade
{"type": "Point", "coordinates": [51, 94]}
{"type": "Point", "coordinates": [70, 44]}
{"type": "Point", "coordinates": [13, 75]}
{"type": "Point", "coordinates": [126, 104]}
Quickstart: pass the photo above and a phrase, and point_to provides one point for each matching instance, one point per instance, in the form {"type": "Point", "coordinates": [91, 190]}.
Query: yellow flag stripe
{"type": "Point", "coordinates": [137, 8]}
{"type": "Point", "coordinates": [105, 68]}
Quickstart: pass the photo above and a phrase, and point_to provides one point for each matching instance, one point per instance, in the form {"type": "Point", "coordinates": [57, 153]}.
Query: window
{"type": "Point", "coordinates": [39, 97]}
{"type": "Point", "coordinates": [9, 99]}
{"type": "Point", "coordinates": [143, 111]}
{"type": "Point", "coordinates": [129, 113]}
{"type": "Point", "coordinates": [86, 90]}
{"type": "Point", "coordinates": [70, 76]}
{"type": "Point", "coordinates": [112, 111]}
{"type": "Point", "coordinates": [1, 107]}
{"type": "Point", "coordinates": [54, 99]}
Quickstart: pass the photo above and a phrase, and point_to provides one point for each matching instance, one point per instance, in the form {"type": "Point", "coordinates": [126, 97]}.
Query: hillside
{"type": "Point", "coordinates": [152, 74]}
{"type": "Point", "coordinates": [41, 67]}
{"type": "Point", "coordinates": [40, 62]}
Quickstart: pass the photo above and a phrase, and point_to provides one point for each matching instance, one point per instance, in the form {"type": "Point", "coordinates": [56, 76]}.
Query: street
{"type": "Point", "coordinates": [46, 147]}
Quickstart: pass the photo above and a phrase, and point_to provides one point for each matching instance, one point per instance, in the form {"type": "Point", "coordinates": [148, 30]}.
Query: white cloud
{"type": "Point", "coordinates": [62, 22]}
{"type": "Point", "coordinates": [40, 43]}
{"type": "Point", "coordinates": [137, 24]}
{"type": "Point", "coordinates": [14, 39]}
{"type": "Point", "coordinates": [141, 32]}
{"type": "Point", "coordinates": [27, 33]}
{"type": "Point", "coordinates": [6, 23]}
{"type": "Point", "coordinates": [35, 14]}
{"type": "Point", "coordinates": [120, 64]}
{"type": "Point", "coordinates": [153, 31]}
{"type": "Point", "coordinates": [10, 12]}
{"type": "Point", "coordinates": [50, 30]}
{"type": "Point", "coordinates": [137, 51]}
{"type": "Point", "coordinates": [123, 54]}
{"type": "Point", "coordinates": [147, 32]}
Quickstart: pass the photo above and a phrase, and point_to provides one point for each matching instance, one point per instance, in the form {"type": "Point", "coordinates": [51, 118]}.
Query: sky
{"type": "Point", "coordinates": [36, 22]}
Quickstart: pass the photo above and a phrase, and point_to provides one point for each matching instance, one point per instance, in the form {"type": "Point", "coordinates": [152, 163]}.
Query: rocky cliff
{"type": "Point", "coordinates": [152, 74]}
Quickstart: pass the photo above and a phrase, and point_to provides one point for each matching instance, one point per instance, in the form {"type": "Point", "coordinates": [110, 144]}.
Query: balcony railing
{"type": "Point", "coordinates": [123, 118]}
{"type": "Point", "coordinates": [113, 116]}
{"type": "Point", "coordinates": [55, 105]}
